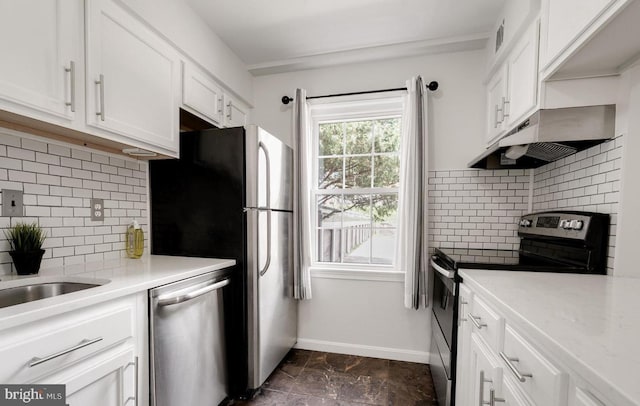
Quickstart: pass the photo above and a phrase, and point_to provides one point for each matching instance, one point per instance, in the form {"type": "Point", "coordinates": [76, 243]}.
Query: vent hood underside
{"type": "Point", "coordinates": [549, 135]}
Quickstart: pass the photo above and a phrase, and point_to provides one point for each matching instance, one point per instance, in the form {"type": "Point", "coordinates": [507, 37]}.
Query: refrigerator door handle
{"type": "Point", "coordinates": [268, 178]}
{"type": "Point", "coordinates": [266, 265]}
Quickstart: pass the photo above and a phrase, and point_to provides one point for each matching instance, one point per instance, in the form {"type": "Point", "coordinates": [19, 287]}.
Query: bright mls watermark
{"type": "Point", "coordinates": [33, 395]}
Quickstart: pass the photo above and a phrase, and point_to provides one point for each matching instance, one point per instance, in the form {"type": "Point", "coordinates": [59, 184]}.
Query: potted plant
{"type": "Point", "coordinates": [26, 247]}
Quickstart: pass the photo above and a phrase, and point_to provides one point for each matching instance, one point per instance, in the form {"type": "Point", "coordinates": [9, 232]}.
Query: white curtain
{"type": "Point", "coordinates": [301, 200]}
{"type": "Point", "coordinates": [412, 254]}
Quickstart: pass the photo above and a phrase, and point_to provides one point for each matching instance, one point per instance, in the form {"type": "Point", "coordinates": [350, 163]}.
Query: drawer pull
{"type": "Point", "coordinates": [522, 377]}
{"type": "Point", "coordinates": [493, 399]}
{"type": "Point", "coordinates": [483, 380]}
{"type": "Point", "coordinates": [476, 321]}
{"type": "Point", "coordinates": [84, 343]}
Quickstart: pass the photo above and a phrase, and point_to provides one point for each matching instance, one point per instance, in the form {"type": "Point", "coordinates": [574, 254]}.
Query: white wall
{"type": "Point", "coordinates": [188, 32]}
{"type": "Point", "coordinates": [367, 317]}
{"type": "Point", "coordinates": [628, 111]}
{"type": "Point", "coordinates": [456, 110]}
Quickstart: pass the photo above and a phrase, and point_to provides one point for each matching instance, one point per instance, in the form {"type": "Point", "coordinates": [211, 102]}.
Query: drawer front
{"type": "Point", "coordinates": [584, 398]}
{"type": "Point", "coordinates": [40, 354]}
{"type": "Point", "coordinates": [487, 323]}
{"type": "Point", "coordinates": [533, 373]}
{"type": "Point", "coordinates": [511, 395]}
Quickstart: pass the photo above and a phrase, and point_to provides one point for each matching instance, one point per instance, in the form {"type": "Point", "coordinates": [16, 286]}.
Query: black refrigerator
{"type": "Point", "coordinates": [230, 195]}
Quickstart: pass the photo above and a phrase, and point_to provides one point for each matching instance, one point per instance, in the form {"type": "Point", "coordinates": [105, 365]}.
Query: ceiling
{"type": "Point", "coordinates": [269, 34]}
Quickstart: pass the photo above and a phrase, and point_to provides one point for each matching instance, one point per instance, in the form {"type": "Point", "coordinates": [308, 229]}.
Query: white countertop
{"type": "Point", "coordinates": [123, 277]}
{"type": "Point", "coordinates": [591, 323]}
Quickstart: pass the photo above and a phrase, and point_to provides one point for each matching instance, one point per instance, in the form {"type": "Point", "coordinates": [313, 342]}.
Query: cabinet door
{"type": "Point", "coordinates": [496, 100]}
{"type": "Point", "coordinates": [465, 297]}
{"type": "Point", "coordinates": [132, 79]}
{"type": "Point", "coordinates": [523, 77]}
{"type": "Point", "coordinates": [485, 374]}
{"type": "Point", "coordinates": [565, 20]}
{"type": "Point", "coordinates": [40, 42]}
{"type": "Point", "coordinates": [104, 381]}
{"type": "Point", "coordinates": [235, 113]}
{"type": "Point", "coordinates": [201, 95]}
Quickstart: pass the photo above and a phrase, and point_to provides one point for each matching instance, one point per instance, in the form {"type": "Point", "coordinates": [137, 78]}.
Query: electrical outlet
{"type": "Point", "coordinates": [12, 205]}
{"type": "Point", "coordinates": [97, 209]}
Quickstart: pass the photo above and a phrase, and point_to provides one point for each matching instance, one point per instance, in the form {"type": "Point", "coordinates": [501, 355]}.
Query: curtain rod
{"type": "Point", "coordinates": [431, 86]}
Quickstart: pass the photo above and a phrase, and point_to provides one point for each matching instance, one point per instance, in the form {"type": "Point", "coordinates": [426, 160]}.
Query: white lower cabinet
{"type": "Point", "coordinates": [97, 352]}
{"type": "Point", "coordinates": [498, 365]}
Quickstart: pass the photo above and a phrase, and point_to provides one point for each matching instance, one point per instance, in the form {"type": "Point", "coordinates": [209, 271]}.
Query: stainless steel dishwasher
{"type": "Point", "coordinates": [188, 362]}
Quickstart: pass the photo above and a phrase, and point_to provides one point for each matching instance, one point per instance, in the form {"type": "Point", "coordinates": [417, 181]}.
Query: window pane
{"type": "Point", "coordinates": [358, 137]}
{"type": "Point", "coordinates": [330, 173]}
{"type": "Point", "coordinates": [383, 246]}
{"type": "Point", "coordinates": [385, 210]}
{"type": "Point", "coordinates": [357, 244]}
{"type": "Point", "coordinates": [357, 210]}
{"type": "Point", "coordinates": [387, 135]}
{"type": "Point", "coordinates": [331, 139]}
{"type": "Point", "coordinates": [329, 211]}
{"type": "Point", "coordinates": [386, 171]}
{"type": "Point", "coordinates": [357, 172]}
{"type": "Point", "coordinates": [329, 243]}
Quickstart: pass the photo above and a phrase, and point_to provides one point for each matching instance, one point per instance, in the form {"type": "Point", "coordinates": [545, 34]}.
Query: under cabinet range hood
{"type": "Point", "coordinates": [549, 135]}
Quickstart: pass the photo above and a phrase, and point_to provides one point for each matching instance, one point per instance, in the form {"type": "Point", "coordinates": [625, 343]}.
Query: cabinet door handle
{"type": "Point", "coordinates": [84, 343]}
{"type": "Point", "coordinates": [229, 110]}
{"type": "Point", "coordinates": [71, 70]}
{"type": "Point", "coordinates": [483, 380]}
{"type": "Point", "coordinates": [477, 321]}
{"type": "Point", "coordinates": [220, 104]}
{"type": "Point", "coordinates": [462, 303]}
{"type": "Point", "coordinates": [493, 399]}
{"type": "Point", "coordinates": [506, 106]}
{"type": "Point", "coordinates": [100, 83]}
{"type": "Point", "coordinates": [495, 118]}
{"type": "Point", "coordinates": [135, 398]}
{"type": "Point", "coordinates": [522, 377]}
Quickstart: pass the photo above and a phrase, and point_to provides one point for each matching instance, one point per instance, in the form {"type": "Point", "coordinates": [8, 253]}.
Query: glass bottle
{"type": "Point", "coordinates": [134, 240]}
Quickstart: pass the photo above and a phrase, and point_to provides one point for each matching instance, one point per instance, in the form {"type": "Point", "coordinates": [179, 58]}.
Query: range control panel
{"type": "Point", "coordinates": [555, 224]}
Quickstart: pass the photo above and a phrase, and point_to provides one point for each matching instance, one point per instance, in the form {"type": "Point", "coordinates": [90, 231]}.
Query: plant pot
{"type": "Point", "coordinates": [27, 263]}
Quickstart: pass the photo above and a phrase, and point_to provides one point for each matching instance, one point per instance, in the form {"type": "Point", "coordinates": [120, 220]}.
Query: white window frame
{"type": "Point", "coordinates": [370, 107]}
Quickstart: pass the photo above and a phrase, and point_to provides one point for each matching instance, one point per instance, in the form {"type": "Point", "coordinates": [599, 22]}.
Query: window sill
{"type": "Point", "coordinates": [328, 272]}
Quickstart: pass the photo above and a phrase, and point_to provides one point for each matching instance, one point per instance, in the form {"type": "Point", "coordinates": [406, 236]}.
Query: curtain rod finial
{"type": "Point", "coordinates": [433, 86]}
{"type": "Point", "coordinates": [286, 99]}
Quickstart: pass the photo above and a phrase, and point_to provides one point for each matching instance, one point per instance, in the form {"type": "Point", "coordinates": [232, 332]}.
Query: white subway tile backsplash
{"type": "Point", "coordinates": [58, 181]}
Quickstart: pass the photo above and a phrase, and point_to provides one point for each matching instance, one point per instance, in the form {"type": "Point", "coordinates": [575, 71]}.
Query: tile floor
{"type": "Point", "coordinates": [309, 378]}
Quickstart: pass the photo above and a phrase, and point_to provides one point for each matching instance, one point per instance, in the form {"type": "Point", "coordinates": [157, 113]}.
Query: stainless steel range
{"type": "Point", "coordinates": [554, 241]}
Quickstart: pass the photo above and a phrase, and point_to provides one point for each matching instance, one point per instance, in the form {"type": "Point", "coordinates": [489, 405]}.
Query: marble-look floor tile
{"type": "Point", "coordinates": [365, 389]}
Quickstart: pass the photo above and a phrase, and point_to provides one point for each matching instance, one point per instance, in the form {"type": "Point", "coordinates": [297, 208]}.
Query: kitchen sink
{"type": "Point", "coordinates": [36, 291]}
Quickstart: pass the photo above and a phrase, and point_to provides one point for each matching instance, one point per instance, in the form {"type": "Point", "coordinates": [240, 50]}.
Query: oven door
{"type": "Point", "coordinates": [442, 332]}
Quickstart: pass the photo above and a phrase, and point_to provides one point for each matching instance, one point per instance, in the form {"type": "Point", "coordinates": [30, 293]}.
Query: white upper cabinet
{"type": "Point", "coordinates": [496, 102]}
{"type": "Point", "coordinates": [201, 95]}
{"type": "Point", "coordinates": [523, 77]}
{"type": "Point", "coordinates": [236, 113]}
{"type": "Point", "coordinates": [564, 21]}
{"type": "Point", "coordinates": [41, 48]}
{"type": "Point", "coordinates": [132, 79]}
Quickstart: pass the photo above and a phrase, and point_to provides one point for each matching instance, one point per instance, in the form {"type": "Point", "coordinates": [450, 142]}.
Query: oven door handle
{"type": "Point", "coordinates": [447, 274]}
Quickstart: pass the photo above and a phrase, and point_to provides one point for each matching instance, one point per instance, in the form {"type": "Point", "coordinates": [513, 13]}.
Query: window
{"type": "Point", "coordinates": [355, 195]}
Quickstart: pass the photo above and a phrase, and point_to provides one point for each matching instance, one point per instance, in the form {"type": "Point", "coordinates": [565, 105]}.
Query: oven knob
{"type": "Point", "coordinates": [565, 224]}
{"type": "Point", "coordinates": [525, 223]}
{"type": "Point", "coordinates": [577, 224]}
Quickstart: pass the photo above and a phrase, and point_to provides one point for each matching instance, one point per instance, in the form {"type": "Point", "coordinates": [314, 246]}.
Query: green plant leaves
{"type": "Point", "coordinates": [25, 237]}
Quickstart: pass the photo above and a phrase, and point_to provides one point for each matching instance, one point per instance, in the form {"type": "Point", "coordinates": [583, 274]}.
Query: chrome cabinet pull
{"type": "Point", "coordinates": [522, 377]}
{"type": "Point", "coordinates": [483, 380]}
{"type": "Point", "coordinates": [506, 106]}
{"type": "Point", "coordinates": [495, 118]}
{"type": "Point", "coordinates": [493, 399]}
{"type": "Point", "coordinates": [229, 110]}
{"type": "Point", "coordinates": [177, 299]}
{"type": "Point", "coordinates": [462, 303]}
{"type": "Point", "coordinates": [220, 104]}
{"type": "Point", "coordinates": [71, 70]}
{"type": "Point", "coordinates": [477, 321]}
{"type": "Point", "coordinates": [135, 364]}
{"type": "Point", "coordinates": [100, 84]}
{"type": "Point", "coordinates": [84, 343]}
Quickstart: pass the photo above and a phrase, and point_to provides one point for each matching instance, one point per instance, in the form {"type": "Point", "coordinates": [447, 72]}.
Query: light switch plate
{"type": "Point", "coordinates": [12, 205]}
{"type": "Point", "coordinates": [97, 209]}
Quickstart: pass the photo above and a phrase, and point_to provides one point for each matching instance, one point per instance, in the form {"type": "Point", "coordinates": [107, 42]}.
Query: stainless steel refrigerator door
{"type": "Point", "coordinates": [269, 171]}
{"type": "Point", "coordinates": [273, 313]}
{"type": "Point", "coordinates": [187, 340]}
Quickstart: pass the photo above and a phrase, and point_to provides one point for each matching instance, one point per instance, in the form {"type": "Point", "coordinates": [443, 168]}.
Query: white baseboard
{"type": "Point", "coordinates": [363, 350]}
